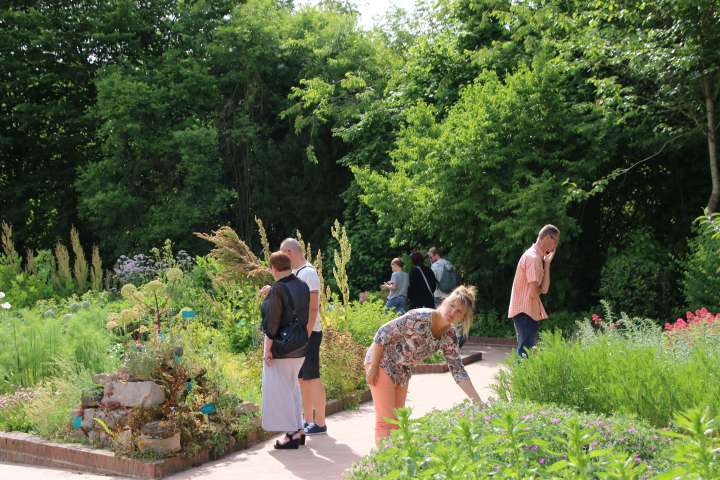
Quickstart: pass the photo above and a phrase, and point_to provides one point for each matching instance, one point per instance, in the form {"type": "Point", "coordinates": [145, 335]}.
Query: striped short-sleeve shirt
{"type": "Point", "coordinates": [529, 269]}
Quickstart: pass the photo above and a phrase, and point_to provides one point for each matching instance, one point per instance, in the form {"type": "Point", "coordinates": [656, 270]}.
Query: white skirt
{"type": "Point", "coordinates": [281, 398]}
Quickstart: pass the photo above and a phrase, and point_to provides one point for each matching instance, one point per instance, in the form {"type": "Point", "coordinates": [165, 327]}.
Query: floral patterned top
{"type": "Point", "coordinates": [408, 340]}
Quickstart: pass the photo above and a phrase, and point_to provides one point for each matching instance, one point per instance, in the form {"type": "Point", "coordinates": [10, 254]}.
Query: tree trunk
{"type": "Point", "coordinates": [710, 92]}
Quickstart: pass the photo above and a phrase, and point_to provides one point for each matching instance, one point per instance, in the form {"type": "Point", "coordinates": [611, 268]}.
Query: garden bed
{"type": "Point", "coordinates": [29, 449]}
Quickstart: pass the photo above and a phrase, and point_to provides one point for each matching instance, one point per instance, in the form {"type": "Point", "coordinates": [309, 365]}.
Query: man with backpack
{"type": "Point", "coordinates": [447, 280]}
{"type": "Point", "coordinates": [445, 275]}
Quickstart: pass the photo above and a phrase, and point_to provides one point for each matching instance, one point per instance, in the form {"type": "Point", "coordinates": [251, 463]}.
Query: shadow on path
{"type": "Point", "coordinates": [322, 457]}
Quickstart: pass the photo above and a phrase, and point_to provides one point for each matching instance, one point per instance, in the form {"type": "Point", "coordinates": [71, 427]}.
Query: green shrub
{"type": "Point", "coordinates": [566, 322]}
{"type": "Point", "coordinates": [34, 343]}
{"type": "Point", "coordinates": [638, 277]}
{"type": "Point", "coordinates": [701, 277]}
{"type": "Point", "coordinates": [341, 361]}
{"type": "Point", "coordinates": [13, 415]}
{"type": "Point", "coordinates": [515, 440]}
{"type": "Point", "coordinates": [623, 368]}
{"type": "Point", "coordinates": [49, 411]}
{"type": "Point", "coordinates": [489, 323]}
{"type": "Point", "coordinates": [365, 318]}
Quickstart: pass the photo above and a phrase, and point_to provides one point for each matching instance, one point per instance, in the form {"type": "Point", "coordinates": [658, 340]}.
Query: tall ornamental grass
{"type": "Point", "coordinates": [34, 344]}
{"type": "Point", "coordinates": [624, 367]}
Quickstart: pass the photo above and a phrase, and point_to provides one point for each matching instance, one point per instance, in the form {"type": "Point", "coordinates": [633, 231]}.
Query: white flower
{"type": "Point", "coordinates": [174, 274]}
{"type": "Point", "coordinates": [127, 290]}
{"type": "Point", "coordinates": [6, 306]}
{"type": "Point", "coordinates": [2, 295]}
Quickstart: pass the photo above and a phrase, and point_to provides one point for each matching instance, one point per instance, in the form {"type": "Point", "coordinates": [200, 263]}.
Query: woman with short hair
{"type": "Point", "coordinates": [406, 341]}
{"type": "Point", "coordinates": [287, 300]}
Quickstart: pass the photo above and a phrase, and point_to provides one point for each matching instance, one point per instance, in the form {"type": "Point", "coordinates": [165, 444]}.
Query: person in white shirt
{"type": "Point", "coordinates": [313, 391]}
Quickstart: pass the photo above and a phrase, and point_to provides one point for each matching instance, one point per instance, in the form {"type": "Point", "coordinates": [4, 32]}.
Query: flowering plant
{"type": "Point", "coordinates": [701, 316]}
{"type": "Point", "coordinates": [6, 305]}
{"type": "Point", "coordinates": [699, 327]}
{"type": "Point", "coordinates": [149, 303]}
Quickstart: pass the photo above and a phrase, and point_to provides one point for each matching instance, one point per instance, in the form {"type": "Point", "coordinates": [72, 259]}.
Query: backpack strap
{"type": "Point", "coordinates": [288, 297]}
{"type": "Point", "coordinates": [426, 282]}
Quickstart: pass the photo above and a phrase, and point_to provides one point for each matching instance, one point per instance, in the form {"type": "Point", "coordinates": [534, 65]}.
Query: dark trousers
{"type": "Point", "coordinates": [526, 330]}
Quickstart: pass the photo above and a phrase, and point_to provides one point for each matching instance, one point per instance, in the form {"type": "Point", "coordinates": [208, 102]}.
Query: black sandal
{"type": "Point", "coordinates": [292, 443]}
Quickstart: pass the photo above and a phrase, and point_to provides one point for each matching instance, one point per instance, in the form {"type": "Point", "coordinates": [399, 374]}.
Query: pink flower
{"type": "Point", "coordinates": [541, 460]}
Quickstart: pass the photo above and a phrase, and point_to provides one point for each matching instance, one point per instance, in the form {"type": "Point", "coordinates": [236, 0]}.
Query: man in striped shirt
{"type": "Point", "coordinates": [532, 278]}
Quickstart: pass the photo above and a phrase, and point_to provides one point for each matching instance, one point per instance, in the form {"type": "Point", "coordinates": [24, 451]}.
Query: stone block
{"type": "Point", "coordinates": [113, 418]}
{"type": "Point", "coordinates": [162, 446]}
{"type": "Point", "coordinates": [88, 421]}
{"type": "Point", "coordinates": [135, 394]}
{"type": "Point", "coordinates": [91, 398]}
{"type": "Point", "coordinates": [104, 378]}
{"type": "Point", "coordinates": [159, 429]}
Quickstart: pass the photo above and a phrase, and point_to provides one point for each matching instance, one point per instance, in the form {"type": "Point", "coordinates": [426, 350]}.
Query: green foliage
{"type": "Point", "coordinates": [701, 278]}
{"type": "Point", "coordinates": [489, 323]}
{"type": "Point", "coordinates": [37, 342]}
{"type": "Point", "coordinates": [365, 318]}
{"type": "Point", "coordinates": [516, 440]}
{"type": "Point", "coordinates": [639, 278]}
{"type": "Point", "coordinates": [505, 146]}
{"type": "Point", "coordinates": [697, 453]}
{"type": "Point", "coordinates": [624, 368]}
{"type": "Point", "coordinates": [341, 259]}
{"type": "Point", "coordinates": [341, 363]}
{"type": "Point", "coordinates": [54, 398]}
{"type": "Point", "coordinates": [80, 267]}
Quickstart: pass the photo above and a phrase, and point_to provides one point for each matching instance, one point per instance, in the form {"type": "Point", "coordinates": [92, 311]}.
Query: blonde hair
{"type": "Point", "coordinates": [465, 295]}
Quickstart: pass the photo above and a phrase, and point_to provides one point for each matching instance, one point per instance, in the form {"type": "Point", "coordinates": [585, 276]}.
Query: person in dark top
{"type": "Point", "coordinates": [422, 283]}
{"type": "Point", "coordinates": [281, 398]}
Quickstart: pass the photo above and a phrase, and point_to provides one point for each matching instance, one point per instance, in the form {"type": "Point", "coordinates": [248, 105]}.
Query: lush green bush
{"type": "Point", "coordinates": [26, 288]}
{"type": "Point", "coordinates": [566, 322]}
{"type": "Point", "coordinates": [701, 278]}
{"type": "Point", "coordinates": [36, 341]}
{"type": "Point", "coordinates": [638, 277]}
{"type": "Point", "coordinates": [488, 323]}
{"type": "Point", "coordinates": [365, 318]}
{"type": "Point", "coordinates": [516, 440]}
{"type": "Point", "coordinates": [622, 366]}
{"type": "Point", "coordinates": [49, 411]}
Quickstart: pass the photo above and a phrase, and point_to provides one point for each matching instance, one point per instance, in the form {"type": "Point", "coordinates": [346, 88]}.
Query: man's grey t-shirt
{"type": "Point", "coordinates": [437, 268]}
{"type": "Point", "coordinates": [401, 281]}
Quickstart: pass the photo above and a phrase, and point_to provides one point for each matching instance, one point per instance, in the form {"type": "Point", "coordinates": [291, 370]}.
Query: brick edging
{"type": "Point", "coordinates": [23, 448]}
{"type": "Point", "coordinates": [442, 367]}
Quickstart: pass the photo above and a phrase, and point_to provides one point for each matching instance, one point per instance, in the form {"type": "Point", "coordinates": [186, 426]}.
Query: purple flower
{"type": "Point", "coordinates": [555, 421]}
{"type": "Point", "coordinates": [534, 448]}
{"type": "Point", "coordinates": [541, 460]}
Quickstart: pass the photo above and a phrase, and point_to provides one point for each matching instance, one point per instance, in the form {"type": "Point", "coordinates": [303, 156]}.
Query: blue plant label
{"type": "Point", "coordinates": [208, 409]}
{"type": "Point", "coordinates": [188, 386]}
{"type": "Point", "coordinates": [76, 422]}
{"type": "Point", "coordinates": [177, 358]}
{"type": "Point", "coordinates": [188, 314]}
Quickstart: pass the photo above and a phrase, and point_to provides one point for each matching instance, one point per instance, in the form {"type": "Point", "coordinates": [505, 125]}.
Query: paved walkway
{"type": "Point", "coordinates": [351, 436]}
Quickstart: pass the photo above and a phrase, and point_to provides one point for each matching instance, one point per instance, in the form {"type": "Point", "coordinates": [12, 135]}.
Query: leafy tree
{"type": "Point", "coordinates": [486, 178]}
